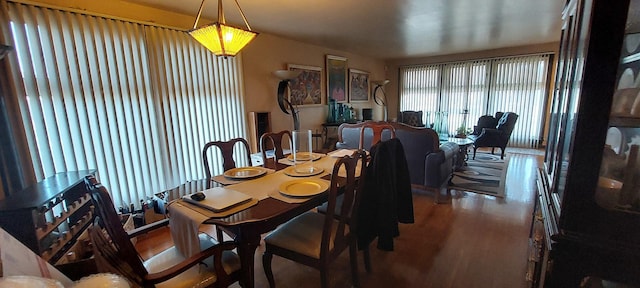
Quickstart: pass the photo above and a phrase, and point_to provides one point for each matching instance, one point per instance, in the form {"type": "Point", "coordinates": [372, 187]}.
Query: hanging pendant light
{"type": "Point", "coordinates": [220, 38]}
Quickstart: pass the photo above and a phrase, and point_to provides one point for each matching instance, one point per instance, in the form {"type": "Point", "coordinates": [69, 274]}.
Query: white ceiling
{"type": "Point", "coordinates": [393, 29]}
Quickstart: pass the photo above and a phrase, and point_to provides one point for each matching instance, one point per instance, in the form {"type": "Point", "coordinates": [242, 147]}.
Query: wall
{"type": "Point", "coordinates": [394, 65]}
{"type": "Point", "coordinates": [268, 53]}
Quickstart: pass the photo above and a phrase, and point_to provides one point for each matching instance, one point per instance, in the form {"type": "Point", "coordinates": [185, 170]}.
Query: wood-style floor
{"type": "Point", "coordinates": [472, 241]}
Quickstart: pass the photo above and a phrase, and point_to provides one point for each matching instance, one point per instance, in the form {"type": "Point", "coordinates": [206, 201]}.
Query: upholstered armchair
{"type": "Point", "coordinates": [486, 121]}
{"type": "Point", "coordinates": [411, 118]}
{"type": "Point", "coordinates": [497, 136]}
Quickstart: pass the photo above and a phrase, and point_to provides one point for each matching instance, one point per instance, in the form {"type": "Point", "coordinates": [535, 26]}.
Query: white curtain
{"type": "Point", "coordinates": [519, 84]}
{"type": "Point", "coordinates": [136, 102]}
{"type": "Point", "coordinates": [420, 87]}
{"type": "Point", "coordinates": [464, 91]}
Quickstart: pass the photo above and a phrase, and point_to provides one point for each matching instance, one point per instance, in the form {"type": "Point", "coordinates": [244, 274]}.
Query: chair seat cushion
{"type": "Point", "coordinates": [302, 234]}
{"type": "Point", "coordinates": [323, 208]}
{"type": "Point", "coordinates": [197, 276]}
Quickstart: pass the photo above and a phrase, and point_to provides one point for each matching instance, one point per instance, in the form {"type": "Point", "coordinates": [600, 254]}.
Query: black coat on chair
{"type": "Point", "coordinates": [387, 197]}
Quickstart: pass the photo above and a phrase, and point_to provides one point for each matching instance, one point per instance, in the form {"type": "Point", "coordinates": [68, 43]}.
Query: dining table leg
{"type": "Point", "coordinates": [247, 245]}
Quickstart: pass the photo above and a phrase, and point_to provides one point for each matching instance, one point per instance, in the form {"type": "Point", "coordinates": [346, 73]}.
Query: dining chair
{"type": "Point", "coordinates": [316, 239]}
{"type": "Point", "coordinates": [377, 129]}
{"type": "Point", "coordinates": [272, 141]}
{"type": "Point", "coordinates": [227, 150]}
{"type": "Point", "coordinates": [215, 266]}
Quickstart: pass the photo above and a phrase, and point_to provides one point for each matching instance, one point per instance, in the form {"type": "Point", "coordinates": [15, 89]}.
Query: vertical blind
{"type": "Point", "coordinates": [136, 102]}
{"type": "Point", "coordinates": [459, 93]}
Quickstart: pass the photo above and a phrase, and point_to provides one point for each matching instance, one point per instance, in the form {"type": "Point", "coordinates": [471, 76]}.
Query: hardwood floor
{"type": "Point", "coordinates": [472, 241]}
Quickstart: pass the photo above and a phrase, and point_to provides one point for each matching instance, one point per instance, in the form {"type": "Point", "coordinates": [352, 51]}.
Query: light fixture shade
{"type": "Point", "coordinates": [287, 74]}
{"type": "Point", "coordinates": [380, 82]}
{"type": "Point", "coordinates": [222, 39]}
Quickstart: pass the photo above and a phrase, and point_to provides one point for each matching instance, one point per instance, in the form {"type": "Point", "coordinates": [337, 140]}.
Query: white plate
{"type": "Point", "coordinates": [245, 172]}
{"type": "Point", "coordinates": [304, 187]}
{"type": "Point", "coordinates": [304, 156]}
{"type": "Point", "coordinates": [344, 152]}
{"type": "Point", "coordinates": [614, 139]}
{"type": "Point", "coordinates": [291, 171]}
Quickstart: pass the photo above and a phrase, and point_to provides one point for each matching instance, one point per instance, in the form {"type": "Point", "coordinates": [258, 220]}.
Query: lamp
{"type": "Point", "coordinates": [285, 105]}
{"type": "Point", "coordinates": [220, 38]}
{"type": "Point", "coordinates": [4, 50]}
{"type": "Point", "coordinates": [381, 101]}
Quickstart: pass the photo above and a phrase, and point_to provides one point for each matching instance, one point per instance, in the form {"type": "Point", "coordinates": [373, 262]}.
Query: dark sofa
{"type": "Point", "coordinates": [430, 163]}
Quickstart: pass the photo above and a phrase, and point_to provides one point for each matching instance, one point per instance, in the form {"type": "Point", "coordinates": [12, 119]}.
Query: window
{"type": "Point", "coordinates": [134, 101]}
{"type": "Point", "coordinates": [454, 95]}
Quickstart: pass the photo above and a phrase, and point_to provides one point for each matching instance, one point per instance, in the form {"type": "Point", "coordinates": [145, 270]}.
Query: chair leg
{"type": "Point", "coordinates": [324, 278]}
{"type": "Point", "coordinates": [474, 152]}
{"type": "Point", "coordinates": [501, 155]}
{"type": "Point", "coordinates": [266, 264]}
{"type": "Point", "coordinates": [367, 259]}
{"type": "Point", "coordinates": [219, 235]}
{"type": "Point", "coordinates": [353, 258]}
{"type": "Point", "coordinates": [493, 149]}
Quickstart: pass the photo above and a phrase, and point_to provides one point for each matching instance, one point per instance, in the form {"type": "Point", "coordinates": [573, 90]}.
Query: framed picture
{"type": "Point", "coordinates": [358, 86]}
{"type": "Point", "coordinates": [337, 78]}
{"type": "Point", "coordinates": [306, 89]}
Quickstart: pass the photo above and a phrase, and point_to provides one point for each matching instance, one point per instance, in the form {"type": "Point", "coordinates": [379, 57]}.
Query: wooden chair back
{"type": "Point", "coordinates": [226, 149]}
{"type": "Point", "coordinates": [331, 233]}
{"type": "Point", "coordinates": [114, 253]}
{"type": "Point", "coordinates": [351, 193]}
{"type": "Point", "coordinates": [273, 140]}
{"type": "Point", "coordinates": [377, 132]}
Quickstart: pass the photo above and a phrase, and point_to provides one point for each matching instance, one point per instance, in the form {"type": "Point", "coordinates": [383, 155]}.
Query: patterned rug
{"type": "Point", "coordinates": [486, 175]}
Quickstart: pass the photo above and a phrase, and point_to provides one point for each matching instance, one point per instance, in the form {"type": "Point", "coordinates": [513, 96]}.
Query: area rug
{"type": "Point", "coordinates": [486, 175]}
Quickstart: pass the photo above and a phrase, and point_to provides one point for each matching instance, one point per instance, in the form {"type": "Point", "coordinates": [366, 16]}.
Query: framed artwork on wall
{"type": "Point", "coordinates": [337, 78]}
{"type": "Point", "coordinates": [305, 90]}
{"type": "Point", "coordinates": [358, 86]}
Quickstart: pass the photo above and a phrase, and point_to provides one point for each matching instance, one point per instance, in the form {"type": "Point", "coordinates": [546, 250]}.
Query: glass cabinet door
{"type": "Point", "coordinates": [563, 109]}
{"type": "Point", "coordinates": [619, 182]}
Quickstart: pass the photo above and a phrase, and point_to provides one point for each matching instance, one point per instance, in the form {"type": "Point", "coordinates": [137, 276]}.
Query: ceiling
{"type": "Point", "coordinates": [393, 29]}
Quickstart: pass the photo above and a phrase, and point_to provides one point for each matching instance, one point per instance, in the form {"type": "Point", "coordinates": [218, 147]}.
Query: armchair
{"type": "Point", "coordinates": [411, 118]}
{"type": "Point", "coordinates": [498, 136]}
{"type": "Point", "coordinates": [486, 121]}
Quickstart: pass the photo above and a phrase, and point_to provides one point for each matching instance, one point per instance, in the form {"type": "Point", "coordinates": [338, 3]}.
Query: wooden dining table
{"type": "Point", "coordinates": [249, 224]}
